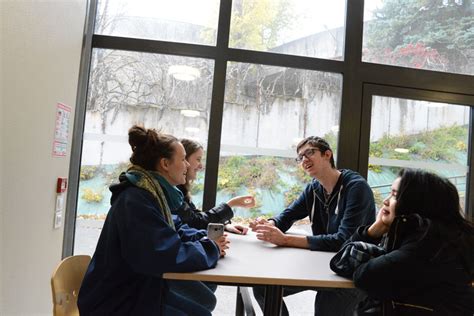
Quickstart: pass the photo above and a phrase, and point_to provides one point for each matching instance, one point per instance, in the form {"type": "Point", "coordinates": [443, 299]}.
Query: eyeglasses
{"type": "Point", "coordinates": [307, 153]}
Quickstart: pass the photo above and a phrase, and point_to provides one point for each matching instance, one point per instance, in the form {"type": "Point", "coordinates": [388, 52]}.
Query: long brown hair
{"type": "Point", "coordinates": [190, 146]}
{"type": "Point", "coordinates": [149, 146]}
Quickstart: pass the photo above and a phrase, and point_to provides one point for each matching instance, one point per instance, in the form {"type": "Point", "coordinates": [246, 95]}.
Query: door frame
{"type": "Point", "coordinates": [370, 90]}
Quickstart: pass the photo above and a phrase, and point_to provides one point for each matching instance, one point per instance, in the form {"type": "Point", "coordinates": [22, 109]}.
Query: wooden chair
{"type": "Point", "coordinates": [66, 282]}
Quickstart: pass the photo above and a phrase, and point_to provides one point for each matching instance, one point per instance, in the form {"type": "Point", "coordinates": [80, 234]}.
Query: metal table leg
{"type": "Point", "coordinates": [273, 298]}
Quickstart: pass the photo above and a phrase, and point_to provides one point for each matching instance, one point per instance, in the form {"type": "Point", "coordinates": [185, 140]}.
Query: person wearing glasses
{"type": "Point", "coordinates": [336, 202]}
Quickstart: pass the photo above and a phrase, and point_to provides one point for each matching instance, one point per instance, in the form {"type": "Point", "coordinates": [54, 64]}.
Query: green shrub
{"type": "Point", "coordinates": [230, 176]}
{"type": "Point", "coordinates": [439, 144]}
{"type": "Point", "coordinates": [92, 196]}
{"type": "Point", "coordinates": [292, 194]}
{"type": "Point", "coordinates": [88, 172]}
{"type": "Point", "coordinates": [236, 172]}
{"type": "Point", "coordinates": [375, 168]}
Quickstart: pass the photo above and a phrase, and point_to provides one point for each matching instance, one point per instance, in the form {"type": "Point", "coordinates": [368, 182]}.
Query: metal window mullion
{"type": "Point", "coordinates": [351, 107]}
{"type": "Point", "coordinates": [153, 46]}
{"type": "Point", "coordinates": [417, 78]}
{"type": "Point", "coordinates": [283, 60]}
{"type": "Point", "coordinates": [366, 121]}
{"type": "Point", "coordinates": [202, 51]}
{"type": "Point", "coordinates": [470, 176]}
{"type": "Point", "coordinates": [217, 105]}
{"type": "Point", "coordinates": [78, 131]}
{"type": "Point", "coordinates": [420, 94]}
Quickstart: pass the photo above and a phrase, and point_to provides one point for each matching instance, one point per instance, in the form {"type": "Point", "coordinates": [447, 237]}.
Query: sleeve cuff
{"type": "Point", "coordinates": [312, 242]}
{"type": "Point", "coordinates": [276, 223]}
{"type": "Point", "coordinates": [224, 213]}
{"type": "Point", "coordinates": [362, 232]}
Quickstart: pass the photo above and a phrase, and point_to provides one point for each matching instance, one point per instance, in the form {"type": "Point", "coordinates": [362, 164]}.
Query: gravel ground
{"type": "Point", "coordinates": [301, 304]}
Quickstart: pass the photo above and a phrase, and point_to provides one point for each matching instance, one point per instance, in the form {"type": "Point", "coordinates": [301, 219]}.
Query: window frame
{"type": "Point", "coordinates": [358, 78]}
{"type": "Point", "coordinates": [371, 90]}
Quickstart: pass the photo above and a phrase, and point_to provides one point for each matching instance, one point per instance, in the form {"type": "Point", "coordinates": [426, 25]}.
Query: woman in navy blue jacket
{"type": "Point", "coordinates": [424, 264]}
{"type": "Point", "coordinates": [140, 240]}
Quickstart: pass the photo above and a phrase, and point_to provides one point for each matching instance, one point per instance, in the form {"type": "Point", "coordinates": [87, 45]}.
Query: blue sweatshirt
{"type": "Point", "coordinates": [350, 205]}
{"type": "Point", "coordinates": [136, 246]}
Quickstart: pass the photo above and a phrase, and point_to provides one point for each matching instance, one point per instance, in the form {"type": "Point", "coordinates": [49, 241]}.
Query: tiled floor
{"type": "Point", "coordinates": [300, 304]}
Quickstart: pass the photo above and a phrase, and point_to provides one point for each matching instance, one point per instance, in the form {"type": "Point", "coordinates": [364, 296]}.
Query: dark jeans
{"type": "Point", "coordinates": [328, 302]}
{"type": "Point", "coordinates": [211, 286]}
{"type": "Point", "coordinates": [179, 305]}
{"type": "Point", "coordinates": [190, 297]}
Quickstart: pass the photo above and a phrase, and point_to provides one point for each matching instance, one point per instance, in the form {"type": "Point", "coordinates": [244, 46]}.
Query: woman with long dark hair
{"type": "Point", "coordinates": [424, 264]}
{"type": "Point", "coordinates": [221, 213]}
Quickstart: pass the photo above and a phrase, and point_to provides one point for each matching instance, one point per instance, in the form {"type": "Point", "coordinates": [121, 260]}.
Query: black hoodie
{"type": "Point", "coordinates": [428, 265]}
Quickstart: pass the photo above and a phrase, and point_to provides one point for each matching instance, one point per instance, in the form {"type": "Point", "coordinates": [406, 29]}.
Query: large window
{"type": "Point", "coordinates": [188, 21]}
{"type": "Point", "coordinates": [165, 92]}
{"type": "Point", "coordinates": [417, 134]}
{"type": "Point", "coordinates": [295, 27]}
{"type": "Point", "coordinates": [267, 111]}
{"type": "Point", "coordinates": [250, 78]}
{"type": "Point", "coordinates": [434, 35]}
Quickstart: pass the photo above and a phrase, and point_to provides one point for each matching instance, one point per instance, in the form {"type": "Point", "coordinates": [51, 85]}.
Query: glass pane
{"type": "Point", "coordinates": [188, 21]}
{"type": "Point", "coordinates": [267, 111]}
{"type": "Point", "coordinates": [417, 134]}
{"type": "Point", "coordinates": [434, 35]}
{"type": "Point", "coordinates": [165, 92]}
{"type": "Point", "coordinates": [313, 28]}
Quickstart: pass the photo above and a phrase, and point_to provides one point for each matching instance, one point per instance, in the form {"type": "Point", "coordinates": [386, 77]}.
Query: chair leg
{"type": "Point", "coordinates": [244, 302]}
{"type": "Point", "coordinates": [239, 304]}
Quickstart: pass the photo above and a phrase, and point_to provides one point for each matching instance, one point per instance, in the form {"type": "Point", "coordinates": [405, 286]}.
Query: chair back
{"type": "Point", "coordinates": [66, 282]}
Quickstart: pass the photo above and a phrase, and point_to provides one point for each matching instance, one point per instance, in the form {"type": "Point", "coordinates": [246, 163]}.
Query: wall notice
{"type": "Point", "coordinates": [61, 130]}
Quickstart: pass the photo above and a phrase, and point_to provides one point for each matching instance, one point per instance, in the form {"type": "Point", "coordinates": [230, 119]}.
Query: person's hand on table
{"type": "Point", "coordinates": [223, 244]}
{"type": "Point", "coordinates": [260, 221]}
{"type": "Point", "coordinates": [236, 229]}
{"type": "Point", "coordinates": [246, 201]}
{"type": "Point", "coordinates": [271, 234]}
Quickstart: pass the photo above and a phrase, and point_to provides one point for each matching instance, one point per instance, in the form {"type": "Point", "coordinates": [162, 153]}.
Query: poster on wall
{"type": "Point", "coordinates": [61, 130]}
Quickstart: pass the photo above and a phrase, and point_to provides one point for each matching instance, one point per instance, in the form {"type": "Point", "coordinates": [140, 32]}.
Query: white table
{"type": "Point", "coordinates": [250, 261]}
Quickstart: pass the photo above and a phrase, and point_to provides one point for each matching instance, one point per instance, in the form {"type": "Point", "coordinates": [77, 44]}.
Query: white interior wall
{"type": "Point", "coordinates": [41, 47]}
{"type": "Point", "coordinates": [2, 105]}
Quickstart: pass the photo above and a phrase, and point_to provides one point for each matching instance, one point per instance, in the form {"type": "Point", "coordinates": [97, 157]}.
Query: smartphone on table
{"type": "Point", "coordinates": [215, 230]}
